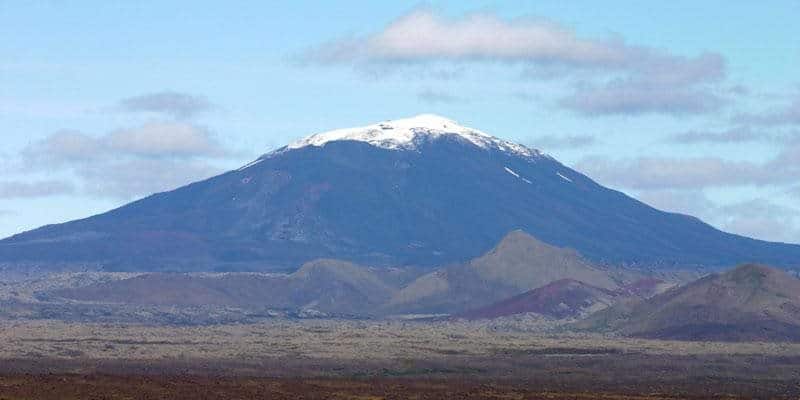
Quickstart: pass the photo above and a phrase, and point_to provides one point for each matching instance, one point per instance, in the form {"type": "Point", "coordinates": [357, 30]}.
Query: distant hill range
{"type": "Point", "coordinates": [332, 287]}
{"type": "Point", "coordinates": [518, 263]}
{"type": "Point", "coordinates": [519, 276]}
{"type": "Point", "coordinates": [567, 298]}
{"type": "Point", "coordinates": [321, 287]}
{"type": "Point", "coordinates": [750, 302]}
{"type": "Point", "coordinates": [421, 191]}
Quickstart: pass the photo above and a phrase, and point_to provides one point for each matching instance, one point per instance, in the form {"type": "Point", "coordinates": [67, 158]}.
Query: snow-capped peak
{"type": "Point", "coordinates": [404, 134]}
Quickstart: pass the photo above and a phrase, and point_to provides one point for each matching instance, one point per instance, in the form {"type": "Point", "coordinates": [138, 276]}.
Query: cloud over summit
{"type": "Point", "coordinates": [622, 79]}
{"type": "Point", "coordinates": [424, 36]}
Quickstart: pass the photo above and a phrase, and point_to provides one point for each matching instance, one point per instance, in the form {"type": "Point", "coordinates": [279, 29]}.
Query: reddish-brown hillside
{"type": "Point", "coordinates": [565, 298]}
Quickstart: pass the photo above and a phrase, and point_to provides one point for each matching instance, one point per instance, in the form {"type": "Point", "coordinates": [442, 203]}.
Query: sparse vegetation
{"type": "Point", "coordinates": [368, 357]}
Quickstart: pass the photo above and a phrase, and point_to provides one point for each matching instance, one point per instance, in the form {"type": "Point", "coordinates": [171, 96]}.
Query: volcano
{"type": "Point", "coordinates": [422, 191]}
{"type": "Point", "coordinates": [748, 303]}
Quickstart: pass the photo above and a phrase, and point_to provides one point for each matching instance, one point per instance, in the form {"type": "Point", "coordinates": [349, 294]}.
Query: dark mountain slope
{"type": "Point", "coordinates": [435, 199]}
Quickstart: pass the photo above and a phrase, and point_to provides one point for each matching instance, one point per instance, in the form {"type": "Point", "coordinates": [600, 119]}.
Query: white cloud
{"type": "Point", "coordinates": [128, 163]}
{"type": "Point", "coordinates": [164, 139]}
{"type": "Point", "coordinates": [155, 139]}
{"type": "Point", "coordinates": [422, 35]}
{"type": "Point", "coordinates": [623, 79]}
{"type": "Point", "coordinates": [63, 146]}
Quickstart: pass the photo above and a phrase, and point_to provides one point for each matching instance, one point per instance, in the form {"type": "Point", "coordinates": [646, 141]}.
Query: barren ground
{"type": "Point", "coordinates": [375, 359]}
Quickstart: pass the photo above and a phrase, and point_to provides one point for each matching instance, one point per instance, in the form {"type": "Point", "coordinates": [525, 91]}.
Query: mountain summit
{"type": "Point", "coordinates": [410, 133]}
{"type": "Point", "coordinates": [422, 191]}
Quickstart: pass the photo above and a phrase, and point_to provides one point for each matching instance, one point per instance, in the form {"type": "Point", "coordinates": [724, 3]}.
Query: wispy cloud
{"type": "Point", "coordinates": [624, 79]}
{"type": "Point", "coordinates": [423, 36]}
{"type": "Point", "coordinates": [733, 135]}
{"type": "Point", "coordinates": [669, 173]}
{"type": "Point", "coordinates": [759, 218]}
{"type": "Point", "coordinates": [689, 202]}
{"type": "Point", "coordinates": [678, 184]}
{"type": "Point", "coordinates": [151, 140]}
{"type": "Point", "coordinates": [175, 104]}
{"type": "Point", "coordinates": [657, 83]}
{"type": "Point", "coordinates": [131, 162]}
{"type": "Point", "coordinates": [701, 172]}
{"type": "Point", "coordinates": [136, 177]}
{"type": "Point", "coordinates": [564, 142]}
{"type": "Point", "coordinates": [788, 114]}
{"type": "Point", "coordinates": [31, 189]}
{"type": "Point", "coordinates": [642, 96]}
{"type": "Point", "coordinates": [435, 96]}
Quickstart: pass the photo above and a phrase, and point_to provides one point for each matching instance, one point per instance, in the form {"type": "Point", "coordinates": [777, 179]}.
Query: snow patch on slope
{"type": "Point", "coordinates": [563, 177]}
{"type": "Point", "coordinates": [251, 164]}
{"type": "Point", "coordinates": [512, 172]}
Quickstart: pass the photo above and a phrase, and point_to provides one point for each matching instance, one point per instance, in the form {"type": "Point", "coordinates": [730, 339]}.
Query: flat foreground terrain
{"type": "Point", "coordinates": [61, 387]}
{"type": "Point", "coordinates": [376, 359]}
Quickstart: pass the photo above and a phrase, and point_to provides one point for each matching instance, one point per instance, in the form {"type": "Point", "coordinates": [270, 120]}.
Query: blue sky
{"type": "Point", "coordinates": [690, 107]}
